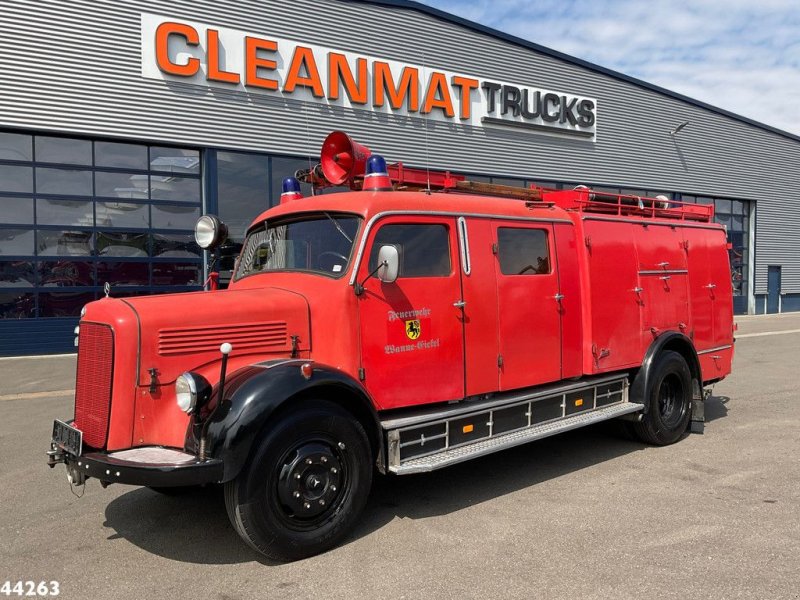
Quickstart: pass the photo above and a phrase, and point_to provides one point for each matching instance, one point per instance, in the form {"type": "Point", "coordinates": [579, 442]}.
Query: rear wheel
{"type": "Point", "coordinates": [305, 485]}
{"type": "Point", "coordinates": [669, 399]}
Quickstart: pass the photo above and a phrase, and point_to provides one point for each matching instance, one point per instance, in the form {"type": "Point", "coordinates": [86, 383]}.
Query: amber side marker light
{"type": "Point", "coordinates": [579, 402]}
{"type": "Point", "coordinates": [307, 370]}
{"type": "Point", "coordinates": [467, 429]}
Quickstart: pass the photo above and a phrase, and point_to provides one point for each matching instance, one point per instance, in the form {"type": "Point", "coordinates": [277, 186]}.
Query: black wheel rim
{"type": "Point", "coordinates": [671, 405]}
{"type": "Point", "coordinates": [311, 483]}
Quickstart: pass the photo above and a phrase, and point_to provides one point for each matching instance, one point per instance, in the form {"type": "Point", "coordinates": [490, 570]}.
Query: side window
{"type": "Point", "coordinates": [424, 249]}
{"type": "Point", "coordinates": [523, 251]}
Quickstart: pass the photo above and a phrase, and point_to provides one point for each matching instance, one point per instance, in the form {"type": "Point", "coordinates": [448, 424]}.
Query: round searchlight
{"type": "Point", "coordinates": [210, 232]}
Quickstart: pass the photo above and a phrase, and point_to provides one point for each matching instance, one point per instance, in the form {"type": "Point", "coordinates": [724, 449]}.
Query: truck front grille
{"type": "Point", "coordinates": [93, 385]}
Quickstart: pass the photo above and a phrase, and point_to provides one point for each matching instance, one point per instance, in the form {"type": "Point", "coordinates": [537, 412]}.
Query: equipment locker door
{"type": "Point", "coordinates": [412, 331]}
{"type": "Point", "coordinates": [529, 304]}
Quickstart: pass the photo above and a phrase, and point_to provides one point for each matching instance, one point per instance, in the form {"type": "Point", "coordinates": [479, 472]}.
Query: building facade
{"type": "Point", "coordinates": [120, 123]}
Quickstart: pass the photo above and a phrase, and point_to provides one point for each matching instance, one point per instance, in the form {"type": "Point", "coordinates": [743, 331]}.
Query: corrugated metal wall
{"type": "Point", "coordinates": [75, 67]}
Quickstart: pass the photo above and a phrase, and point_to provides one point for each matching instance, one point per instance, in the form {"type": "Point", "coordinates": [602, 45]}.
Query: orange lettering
{"type": "Point", "coordinates": [339, 70]}
{"type": "Point", "coordinates": [304, 58]}
{"type": "Point", "coordinates": [253, 62]}
{"type": "Point", "coordinates": [438, 95]}
{"type": "Point", "coordinates": [406, 91]}
{"type": "Point", "coordinates": [214, 72]}
{"type": "Point", "coordinates": [465, 85]}
{"type": "Point", "coordinates": [163, 60]}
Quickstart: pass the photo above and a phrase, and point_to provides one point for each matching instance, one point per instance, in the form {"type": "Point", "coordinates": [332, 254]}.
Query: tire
{"type": "Point", "coordinates": [305, 484]}
{"type": "Point", "coordinates": [669, 401]}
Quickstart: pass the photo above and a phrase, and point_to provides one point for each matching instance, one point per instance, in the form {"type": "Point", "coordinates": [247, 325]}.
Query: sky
{"type": "Point", "coordinates": [740, 55]}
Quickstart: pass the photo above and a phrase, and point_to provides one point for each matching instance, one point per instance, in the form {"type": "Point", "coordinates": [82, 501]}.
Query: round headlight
{"type": "Point", "coordinates": [210, 232]}
{"type": "Point", "coordinates": [186, 392]}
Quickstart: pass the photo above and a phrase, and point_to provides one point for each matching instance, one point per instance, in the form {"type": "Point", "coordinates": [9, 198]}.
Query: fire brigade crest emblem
{"type": "Point", "coordinates": [413, 329]}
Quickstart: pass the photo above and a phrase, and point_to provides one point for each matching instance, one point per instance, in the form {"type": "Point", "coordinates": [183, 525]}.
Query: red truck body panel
{"type": "Point", "coordinates": [602, 288]}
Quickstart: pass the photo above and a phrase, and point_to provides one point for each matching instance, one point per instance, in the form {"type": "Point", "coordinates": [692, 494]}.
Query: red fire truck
{"type": "Point", "coordinates": [416, 321]}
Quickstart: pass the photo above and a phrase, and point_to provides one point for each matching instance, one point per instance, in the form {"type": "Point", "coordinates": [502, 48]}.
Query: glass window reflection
{"type": "Point", "coordinates": [242, 189]}
{"type": "Point", "coordinates": [16, 242]}
{"type": "Point", "coordinates": [17, 305]}
{"type": "Point", "coordinates": [175, 217]}
{"type": "Point", "coordinates": [133, 186]}
{"type": "Point", "coordinates": [176, 274]}
{"type": "Point", "coordinates": [122, 214]}
{"type": "Point", "coordinates": [64, 212]}
{"type": "Point", "coordinates": [131, 244]}
{"type": "Point", "coordinates": [63, 304]}
{"type": "Point", "coordinates": [65, 273]}
{"type": "Point", "coordinates": [123, 273]}
{"type": "Point", "coordinates": [63, 243]}
{"type": "Point", "coordinates": [174, 160]}
{"type": "Point", "coordinates": [17, 273]}
{"type": "Point", "coordinates": [176, 189]}
{"type": "Point", "coordinates": [175, 246]}
{"type": "Point", "coordinates": [68, 151]}
{"type": "Point", "coordinates": [15, 178]}
{"type": "Point", "coordinates": [124, 156]}
{"type": "Point", "coordinates": [64, 182]}
{"type": "Point", "coordinates": [16, 146]}
{"type": "Point", "coordinates": [16, 210]}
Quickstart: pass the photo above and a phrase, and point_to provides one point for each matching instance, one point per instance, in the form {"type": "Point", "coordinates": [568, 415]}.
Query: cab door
{"type": "Point", "coordinates": [529, 304]}
{"type": "Point", "coordinates": [412, 330]}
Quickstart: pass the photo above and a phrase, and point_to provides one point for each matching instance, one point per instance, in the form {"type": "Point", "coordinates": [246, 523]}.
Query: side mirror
{"type": "Point", "coordinates": [389, 264]}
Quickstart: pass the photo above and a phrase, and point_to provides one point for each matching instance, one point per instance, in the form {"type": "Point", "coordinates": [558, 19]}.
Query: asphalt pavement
{"type": "Point", "coordinates": [587, 514]}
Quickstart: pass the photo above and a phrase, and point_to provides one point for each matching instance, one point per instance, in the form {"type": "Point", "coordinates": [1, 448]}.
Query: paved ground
{"type": "Point", "coordinates": [583, 515]}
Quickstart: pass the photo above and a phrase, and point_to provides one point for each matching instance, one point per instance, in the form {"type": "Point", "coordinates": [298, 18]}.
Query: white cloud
{"type": "Point", "coordinates": [739, 55]}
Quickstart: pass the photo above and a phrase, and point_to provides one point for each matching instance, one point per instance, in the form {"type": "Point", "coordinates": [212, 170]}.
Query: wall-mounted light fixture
{"type": "Point", "coordinates": [678, 128]}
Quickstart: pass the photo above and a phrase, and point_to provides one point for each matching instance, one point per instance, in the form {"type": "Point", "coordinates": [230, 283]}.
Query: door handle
{"type": "Point", "coordinates": [710, 286]}
{"type": "Point", "coordinates": [459, 304]}
{"type": "Point", "coordinates": [559, 297]}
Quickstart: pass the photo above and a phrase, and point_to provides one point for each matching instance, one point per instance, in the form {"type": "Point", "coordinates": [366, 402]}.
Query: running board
{"type": "Point", "coordinates": [459, 454]}
{"type": "Point", "coordinates": [427, 441]}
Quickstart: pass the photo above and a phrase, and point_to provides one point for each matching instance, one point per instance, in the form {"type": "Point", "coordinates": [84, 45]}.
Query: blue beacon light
{"type": "Point", "coordinates": [291, 190]}
{"type": "Point", "coordinates": [377, 175]}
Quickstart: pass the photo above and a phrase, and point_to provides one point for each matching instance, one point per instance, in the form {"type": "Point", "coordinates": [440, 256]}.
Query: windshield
{"type": "Point", "coordinates": [322, 243]}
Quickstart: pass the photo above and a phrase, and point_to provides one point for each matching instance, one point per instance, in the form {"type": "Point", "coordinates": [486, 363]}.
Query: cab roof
{"type": "Point", "coordinates": [370, 203]}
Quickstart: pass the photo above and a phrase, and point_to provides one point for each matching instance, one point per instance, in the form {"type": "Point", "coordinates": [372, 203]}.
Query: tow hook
{"type": "Point", "coordinates": [55, 456]}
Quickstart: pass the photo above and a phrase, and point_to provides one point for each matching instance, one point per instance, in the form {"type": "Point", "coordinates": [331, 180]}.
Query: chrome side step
{"type": "Point", "coordinates": [459, 454]}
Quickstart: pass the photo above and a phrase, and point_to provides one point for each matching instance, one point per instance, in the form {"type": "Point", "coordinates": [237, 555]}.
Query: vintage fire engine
{"type": "Point", "coordinates": [416, 321]}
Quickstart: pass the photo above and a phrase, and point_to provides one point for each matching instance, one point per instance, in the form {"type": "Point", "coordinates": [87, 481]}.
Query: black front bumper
{"type": "Point", "coordinates": [110, 469]}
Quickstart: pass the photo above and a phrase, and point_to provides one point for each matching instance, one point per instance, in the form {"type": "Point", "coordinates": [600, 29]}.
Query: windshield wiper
{"type": "Point", "coordinates": [339, 227]}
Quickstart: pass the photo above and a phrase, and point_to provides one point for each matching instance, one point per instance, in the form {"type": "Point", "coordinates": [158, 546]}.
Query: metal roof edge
{"type": "Point", "coordinates": [440, 14]}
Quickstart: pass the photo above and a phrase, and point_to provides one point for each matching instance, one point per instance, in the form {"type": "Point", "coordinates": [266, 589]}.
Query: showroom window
{"type": "Point", "coordinates": [78, 213]}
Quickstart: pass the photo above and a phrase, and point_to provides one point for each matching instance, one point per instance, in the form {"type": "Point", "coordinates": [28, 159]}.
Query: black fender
{"type": "Point", "coordinates": [670, 340]}
{"type": "Point", "coordinates": [255, 393]}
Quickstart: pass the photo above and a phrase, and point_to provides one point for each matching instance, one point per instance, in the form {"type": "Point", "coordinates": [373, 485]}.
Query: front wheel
{"type": "Point", "coordinates": [305, 484]}
{"type": "Point", "coordinates": [669, 400]}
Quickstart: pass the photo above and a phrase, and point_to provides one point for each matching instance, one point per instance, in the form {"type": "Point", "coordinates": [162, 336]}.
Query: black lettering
{"type": "Point", "coordinates": [511, 98]}
{"type": "Point", "coordinates": [534, 112]}
{"type": "Point", "coordinates": [547, 101]}
{"type": "Point", "coordinates": [490, 88]}
{"type": "Point", "coordinates": [566, 111]}
{"type": "Point", "coordinates": [586, 113]}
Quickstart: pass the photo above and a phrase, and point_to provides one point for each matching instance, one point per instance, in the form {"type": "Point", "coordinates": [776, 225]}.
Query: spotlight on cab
{"type": "Point", "coordinates": [209, 232]}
